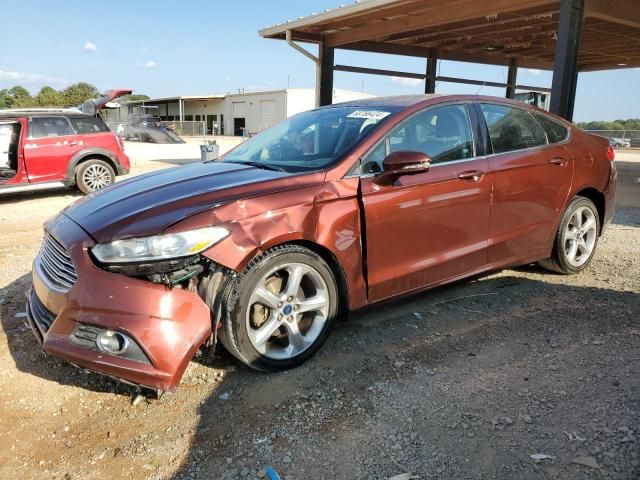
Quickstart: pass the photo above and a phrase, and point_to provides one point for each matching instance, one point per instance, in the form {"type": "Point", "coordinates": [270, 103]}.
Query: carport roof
{"type": "Point", "coordinates": [497, 32]}
{"type": "Point", "coordinates": [175, 99]}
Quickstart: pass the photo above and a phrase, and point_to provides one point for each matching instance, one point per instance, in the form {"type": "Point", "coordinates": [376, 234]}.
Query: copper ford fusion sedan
{"type": "Point", "coordinates": [327, 212]}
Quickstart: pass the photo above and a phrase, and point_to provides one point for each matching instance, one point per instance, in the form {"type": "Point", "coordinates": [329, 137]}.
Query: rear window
{"type": "Point", "coordinates": [45, 127]}
{"type": "Point", "coordinates": [511, 128]}
{"type": "Point", "coordinates": [89, 125]}
{"type": "Point", "coordinates": [555, 131]}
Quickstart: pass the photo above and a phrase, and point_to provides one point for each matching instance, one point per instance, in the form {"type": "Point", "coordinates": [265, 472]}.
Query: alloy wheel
{"type": "Point", "coordinates": [96, 177]}
{"type": "Point", "coordinates": [287, 311]}
{"type": "Point", "coordinates": [580, 236]}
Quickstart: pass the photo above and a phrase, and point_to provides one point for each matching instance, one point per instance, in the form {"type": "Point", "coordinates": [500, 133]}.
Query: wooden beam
{"type": "Point", "coordinates": [526, 17]}
{"type": "Point", "coordinates": [595, 67]}
{"type": "Point", "coordinates": [623, 12]}
{"type": "Point", "coordinates": [381, 13]}
{"type": "Point", "coordinates": [488, 33]}
{"type": "Point", "coordinates": [465, 10]}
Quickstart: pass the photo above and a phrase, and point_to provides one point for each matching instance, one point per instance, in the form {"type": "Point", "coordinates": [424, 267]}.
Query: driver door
{"type": "Point", "coordinates": [429, 227]}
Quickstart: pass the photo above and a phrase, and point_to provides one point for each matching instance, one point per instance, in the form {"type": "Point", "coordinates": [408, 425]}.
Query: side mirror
{"type": "Point", "coordinates": [402, 162]}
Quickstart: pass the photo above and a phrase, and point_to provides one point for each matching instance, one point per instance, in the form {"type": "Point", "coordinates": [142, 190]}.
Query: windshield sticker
{"type": "Point", "coordinates": [373, 114]}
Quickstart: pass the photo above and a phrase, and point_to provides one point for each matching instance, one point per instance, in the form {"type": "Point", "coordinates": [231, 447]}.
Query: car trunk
{"type": "Point", "coordinates": [9, 144]}
{"type": "Point", "coordinates": [94, 105]}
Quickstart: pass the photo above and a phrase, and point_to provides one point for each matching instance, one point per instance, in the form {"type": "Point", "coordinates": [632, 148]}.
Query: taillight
{"type": "Point", "coordinates": [611, 154]}
{"type": "Point", "coordinates": [120, 142]}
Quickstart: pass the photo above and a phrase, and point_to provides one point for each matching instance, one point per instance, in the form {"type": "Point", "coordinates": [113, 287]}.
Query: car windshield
{"type": "Point", "coordinates": [311, 140]}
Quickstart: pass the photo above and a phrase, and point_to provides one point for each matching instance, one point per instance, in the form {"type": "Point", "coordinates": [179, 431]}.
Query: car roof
{"type": "Point", "coordinates": [23, 113]}
{"type": "Point", "coordinates": [403, 102]}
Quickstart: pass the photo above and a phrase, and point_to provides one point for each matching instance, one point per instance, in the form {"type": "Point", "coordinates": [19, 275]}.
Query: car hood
{"type": "Point", "coordinates": [148, 204]}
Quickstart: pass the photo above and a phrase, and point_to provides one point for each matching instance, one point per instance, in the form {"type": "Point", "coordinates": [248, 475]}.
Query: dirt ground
{"type": "Point", "coordinates": [465, 381]}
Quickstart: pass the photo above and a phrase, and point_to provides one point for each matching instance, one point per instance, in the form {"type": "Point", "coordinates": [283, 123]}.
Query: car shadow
{"type": "Point", "coordinates": [177, 161]}
{"type": "Point", "coordinates": [448, 327]}
{"type": "Point", "coordinates": [27, 352]}
{"type": "Point", "coordinates": [61, 192]}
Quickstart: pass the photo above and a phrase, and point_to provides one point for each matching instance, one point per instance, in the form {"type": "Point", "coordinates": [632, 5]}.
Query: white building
{"type": "Point", "coordinates": [231, 113]}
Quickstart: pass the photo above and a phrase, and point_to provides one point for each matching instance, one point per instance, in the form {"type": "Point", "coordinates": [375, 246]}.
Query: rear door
{"type": "Point", "coordinates": [433, 226]}
{"type": "Point", "coordinates": [531, 181]}
{"type": "Point", "coordinates": [51, 143]}
{"type": "Point", "coordinates": [10, 132]}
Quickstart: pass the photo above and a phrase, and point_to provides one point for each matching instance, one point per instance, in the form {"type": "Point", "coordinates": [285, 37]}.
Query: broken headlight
{"type": "Point", "coordinates": [159, 247]}
{"type": "Point", "coordinates": [171, 259]}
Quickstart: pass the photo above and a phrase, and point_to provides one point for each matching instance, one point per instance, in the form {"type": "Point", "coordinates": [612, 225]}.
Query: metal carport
{"type": "Point", "coordinates": [566, 36]}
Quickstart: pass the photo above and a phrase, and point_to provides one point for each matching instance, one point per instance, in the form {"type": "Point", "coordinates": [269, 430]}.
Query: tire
{"type": "Point", "coordinates": [270, 278]}
{"type": "Point", "coordinates": [574, 246]}
{"type": "Point", "coordinates": [93, 175]}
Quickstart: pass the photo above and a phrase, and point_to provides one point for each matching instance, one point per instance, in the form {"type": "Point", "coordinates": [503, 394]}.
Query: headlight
{"type": "Point", "coordinates": [159, 247]}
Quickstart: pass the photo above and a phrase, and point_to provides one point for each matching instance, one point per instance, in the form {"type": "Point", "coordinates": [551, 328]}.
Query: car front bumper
{"type": "Point", "coordinates": [168, 325]}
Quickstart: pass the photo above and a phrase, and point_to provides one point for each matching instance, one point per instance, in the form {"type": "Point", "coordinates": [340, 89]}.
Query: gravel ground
{"type": "Point", "coordinates": [465, 381]}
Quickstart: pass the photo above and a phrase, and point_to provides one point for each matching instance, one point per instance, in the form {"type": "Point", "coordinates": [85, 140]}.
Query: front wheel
{"type": "Point", "coordinates": [93, 175]}
{"type": "Point", "coordinates": [576, 239]}
{"type": "Point", "coordinates": [280, 310]}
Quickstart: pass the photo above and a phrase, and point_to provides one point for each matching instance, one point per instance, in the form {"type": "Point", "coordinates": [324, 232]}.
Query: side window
{"type": "Point", "coordinates": [556, 132]}
{"type": "Point", "coordinates": [89, 125]}
{"type": "Point", "coordinates": [442, 133]}
{"type": "Point", "coordinates": [45, 127]}
{"type": "Point", "coordinates": [512, 128]}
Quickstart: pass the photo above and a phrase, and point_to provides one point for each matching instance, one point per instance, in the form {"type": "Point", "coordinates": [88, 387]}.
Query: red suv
{"type": "Point", "coordinates": [52, 148]}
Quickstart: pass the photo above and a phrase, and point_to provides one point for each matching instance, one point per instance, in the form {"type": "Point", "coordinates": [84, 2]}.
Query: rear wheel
{"type": "Point", "coordinates": [93, 175]}
{"type": "Point", "coordinates": [280, 310]}
{"type": "Point", "coordinates": [576, 239]}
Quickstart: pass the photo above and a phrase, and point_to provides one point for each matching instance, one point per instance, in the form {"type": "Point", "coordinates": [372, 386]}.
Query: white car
{"type": "Point", "coordinates": [619, 143]}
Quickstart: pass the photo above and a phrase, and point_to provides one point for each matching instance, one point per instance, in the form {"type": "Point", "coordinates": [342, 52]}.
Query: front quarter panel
{"type": "Point", "coordinates": [326, 214]}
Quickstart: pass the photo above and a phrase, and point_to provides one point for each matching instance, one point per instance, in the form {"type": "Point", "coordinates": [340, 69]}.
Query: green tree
{"type": "Point", "coordinates": [5, 98]}
{"type": "Point", "coordinates": [49, 97]}
{"type": "Point", "coordinates": [20, 97]}
{"type": "Point", "coordinates": [76, 94]}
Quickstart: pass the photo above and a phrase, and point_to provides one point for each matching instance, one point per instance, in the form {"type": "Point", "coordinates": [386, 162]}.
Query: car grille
{"type": "Point", "coordinates": [38, 314]}
{"type": "Point", "coordinates": [56, 265]}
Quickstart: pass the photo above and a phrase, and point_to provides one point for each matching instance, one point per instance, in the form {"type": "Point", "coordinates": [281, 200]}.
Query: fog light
{"type": "Point", "coordinates": [112, 342]}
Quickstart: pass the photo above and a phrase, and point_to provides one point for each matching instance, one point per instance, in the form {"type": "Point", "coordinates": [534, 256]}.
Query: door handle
{"type": "Point", "coordinates": [72, 143]}
{"type": "Point", "coordinates": [473, 175]}
{"type": "Point", "coordinates": [559, 161]}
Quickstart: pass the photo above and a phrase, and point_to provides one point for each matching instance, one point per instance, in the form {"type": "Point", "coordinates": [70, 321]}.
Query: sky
{"type": "Point", "coordinates": [168, 48]}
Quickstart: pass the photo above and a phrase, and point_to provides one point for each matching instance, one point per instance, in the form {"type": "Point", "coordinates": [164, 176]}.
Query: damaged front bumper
{"type": "Point", "coordinates": [127, 328]}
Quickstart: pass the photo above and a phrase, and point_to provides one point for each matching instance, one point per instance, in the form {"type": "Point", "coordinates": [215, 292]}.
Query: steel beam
{"type": "Point", "coordinates": [326, 74]}
{"type": "Point", "coordinates": [512, 77]}
{"type": "Point", "coordinates": [432, 72]}
{"type": "Point", "coordinates": [565, 71]}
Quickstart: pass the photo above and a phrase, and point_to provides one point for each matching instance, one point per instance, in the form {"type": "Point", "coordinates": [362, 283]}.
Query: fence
{"type": "Point", "coordinates": [183, 129]}
{"type": "Point", "coordinates": [628, 135]}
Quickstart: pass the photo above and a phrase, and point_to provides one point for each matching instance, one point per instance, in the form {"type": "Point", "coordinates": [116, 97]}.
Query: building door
{"type": "Point", "coordinates": [268, 114]}
{"type": "Point", "coordinates": [239, 115]}
{"type": "Point", "coordinates": [238, 127]}
{"type": "Point", "coordinates": [211, 120]}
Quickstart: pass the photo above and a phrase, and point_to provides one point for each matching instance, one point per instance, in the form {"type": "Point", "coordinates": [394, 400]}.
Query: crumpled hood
{"type": "Point", "coordinates": [147, 204]}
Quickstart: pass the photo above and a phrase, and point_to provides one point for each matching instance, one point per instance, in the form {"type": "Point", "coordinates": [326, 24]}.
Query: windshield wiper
{"type": "Point", "coordinates": [263, 166]}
